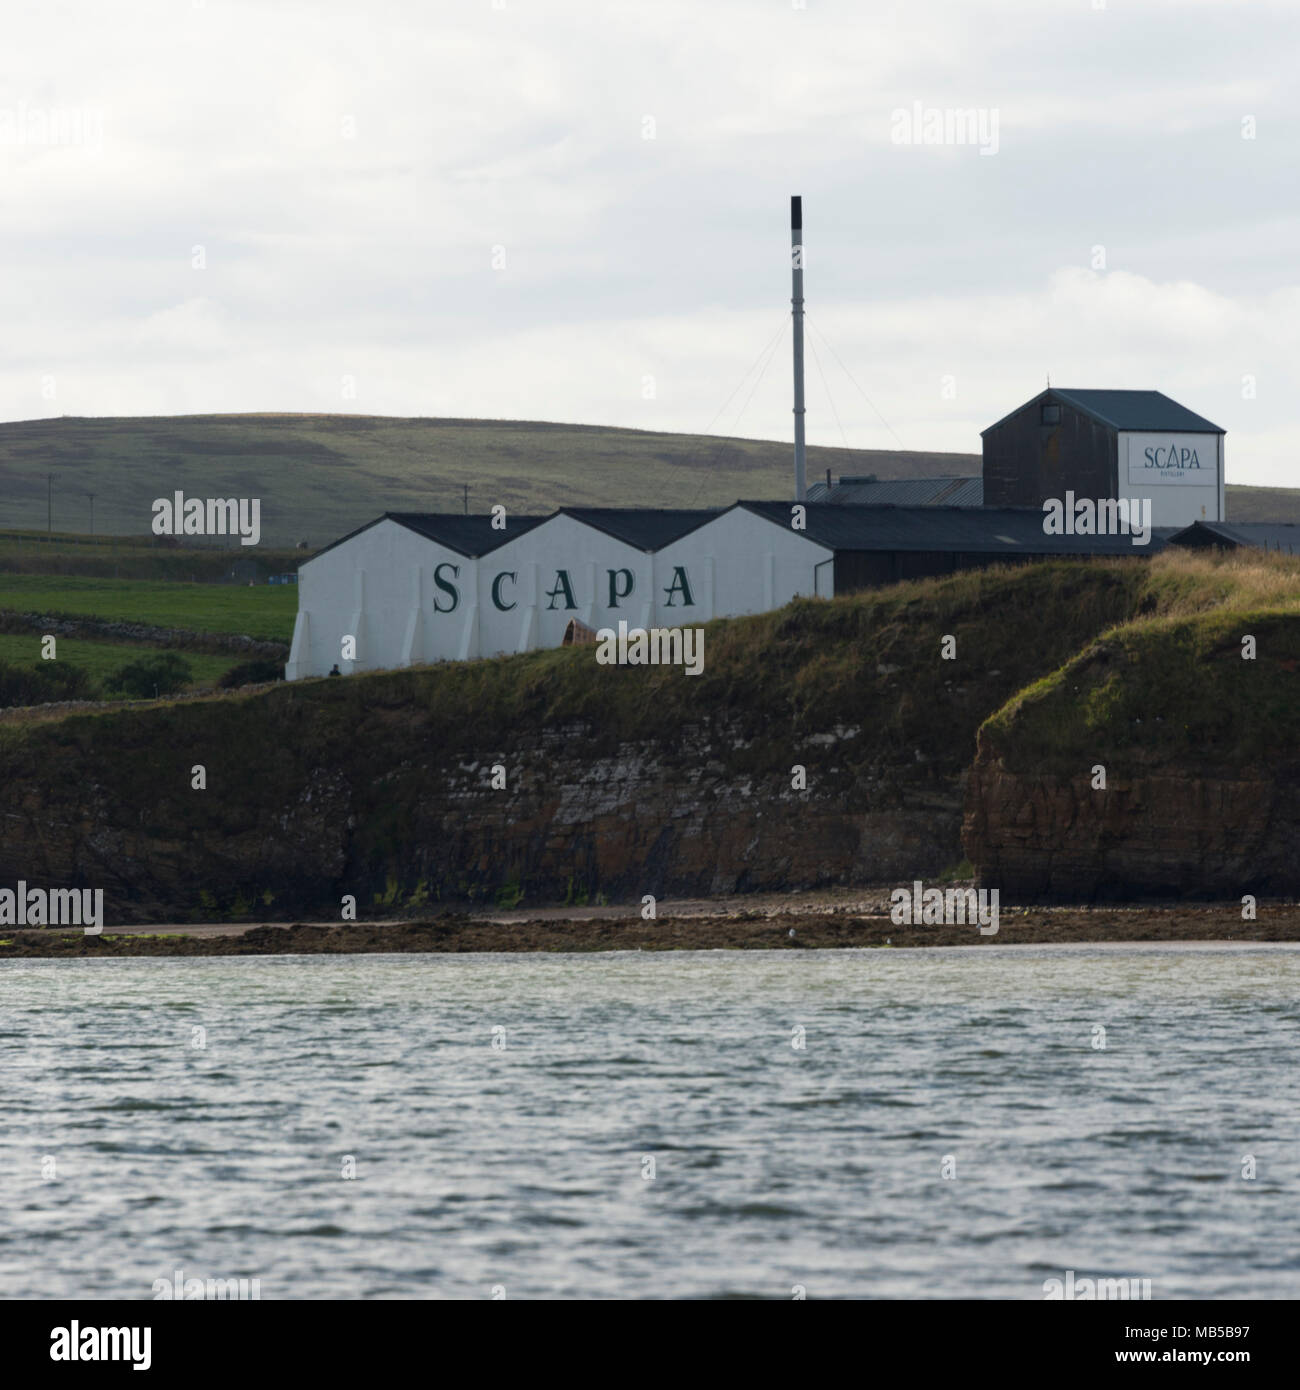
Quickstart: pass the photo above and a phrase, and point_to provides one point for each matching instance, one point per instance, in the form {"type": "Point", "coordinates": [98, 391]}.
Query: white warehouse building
{"type": "Point", "coordinates": [411, 588]}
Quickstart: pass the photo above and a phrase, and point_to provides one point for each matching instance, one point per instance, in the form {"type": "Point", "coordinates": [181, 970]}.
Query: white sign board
{"type": "Point", "coordinates": [1156, 459]}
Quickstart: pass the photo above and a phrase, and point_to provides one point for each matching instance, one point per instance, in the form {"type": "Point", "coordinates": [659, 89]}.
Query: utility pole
{"type": "Point", "coordinates": [91, 495]}
{"type": "Point", "coordinates": [49, 504]}
{"type": "Point", "coordinates": [466, 499]}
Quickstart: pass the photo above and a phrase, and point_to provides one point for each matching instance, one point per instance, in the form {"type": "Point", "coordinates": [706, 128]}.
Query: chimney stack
{"type": "Point", "coordinates": [796, 301]}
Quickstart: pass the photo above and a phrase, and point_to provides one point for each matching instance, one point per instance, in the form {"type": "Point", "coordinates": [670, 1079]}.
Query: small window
{"type": "Point", "coordinates": [1051, 414]}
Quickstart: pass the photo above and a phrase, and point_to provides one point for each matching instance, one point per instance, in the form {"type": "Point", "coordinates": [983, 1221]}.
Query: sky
{"type": "Point", "coordinates": [546, 209]}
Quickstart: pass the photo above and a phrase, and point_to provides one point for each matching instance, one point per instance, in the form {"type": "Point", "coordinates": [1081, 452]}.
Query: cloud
{"type": "Point", "coordinates": [461, 209]}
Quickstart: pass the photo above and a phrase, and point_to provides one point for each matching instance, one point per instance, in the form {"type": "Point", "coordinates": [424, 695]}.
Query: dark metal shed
{"type": "Point", "coordinates": [1068, 440]}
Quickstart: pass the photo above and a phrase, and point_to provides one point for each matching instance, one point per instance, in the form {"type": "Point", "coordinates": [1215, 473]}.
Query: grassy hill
{"type": "Point", "coordinates": [1261, 503]}
{"type": "Point", "coordinates": [320, 476]}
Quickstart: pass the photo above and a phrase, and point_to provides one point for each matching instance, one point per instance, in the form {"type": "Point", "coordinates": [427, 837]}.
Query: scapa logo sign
{"type": "Point", "coordinates": [1186, 458]}
{"type": "Point", "coordinates": [1170, 457]}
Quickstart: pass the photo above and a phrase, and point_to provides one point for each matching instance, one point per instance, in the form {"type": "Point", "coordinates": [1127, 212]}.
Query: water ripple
{"type": "Point", "coordinates": [941, 1124]}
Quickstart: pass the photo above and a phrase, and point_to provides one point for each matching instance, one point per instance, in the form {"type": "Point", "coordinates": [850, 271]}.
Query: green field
{"type": "Point", "coordinates": [140, 557]}
{"type": "Point", "coordinates": [264, 611]}
{"type": "Point", "coordinates": [101, 660]}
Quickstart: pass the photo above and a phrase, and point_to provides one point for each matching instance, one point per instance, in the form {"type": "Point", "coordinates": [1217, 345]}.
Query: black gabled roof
{"type": "Point", "coordinates": [646, 528]}
{"type": "Point", "coordinates": [467, 535]}
{"type": "Point", "coordinates": [990, 530]}
{"type": "Point", "coordinates": [471, 535]}
{"type": "Point", "coordinates": [1262, 535]}
{"type": "Point", "coordinates": [901, 492]}
{"type": "Point", "coordinates": [1124, 410]}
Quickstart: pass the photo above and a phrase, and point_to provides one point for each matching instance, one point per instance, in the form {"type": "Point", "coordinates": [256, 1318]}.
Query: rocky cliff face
{"type": "Point", "coordinates": [1161, 834]}
{"type": "Point", "coordinates": [1196, 724]}
{"type": "Point", "coordinates": [642, 818]}
{"type": "Point", "coordinates": [399, 823]}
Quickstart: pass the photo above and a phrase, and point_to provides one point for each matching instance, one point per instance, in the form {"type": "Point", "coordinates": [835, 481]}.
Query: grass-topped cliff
{"type": "Point", "coordinates": [1178, 684]}
{"type": "Point", "coordinates": [624, 781]}
{"type": "Point", "coordinates": [1164, 757]}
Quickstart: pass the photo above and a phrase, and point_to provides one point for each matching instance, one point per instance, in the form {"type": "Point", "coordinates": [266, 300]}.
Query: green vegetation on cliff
{"type": "Point", "coordinates": [1172, 687]}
